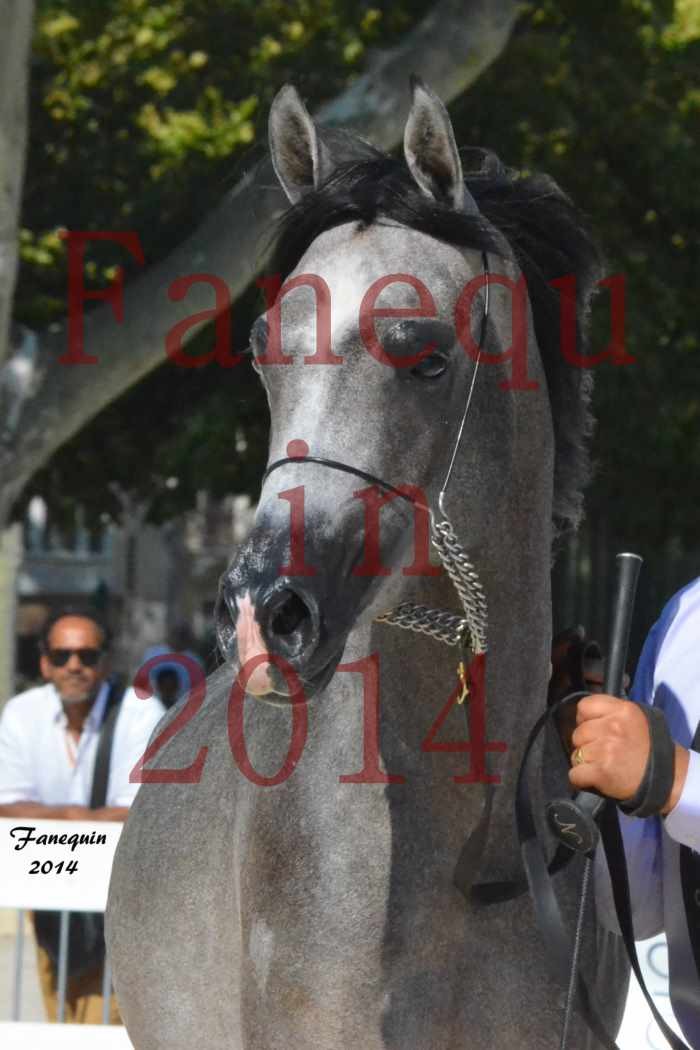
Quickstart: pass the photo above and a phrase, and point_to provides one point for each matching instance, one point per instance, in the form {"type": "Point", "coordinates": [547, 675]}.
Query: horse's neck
{"type": "Point", "coordinates": [517, 584]}
{"type": "Point", "coordinates": [418, 675]}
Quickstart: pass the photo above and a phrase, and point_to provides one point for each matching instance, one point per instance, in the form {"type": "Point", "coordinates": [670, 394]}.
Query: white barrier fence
{"type": "Point", "coordinates": [63, 1037]}
{"type": "Point", "coordinates": [62, 866]}
{"type": "Point", "coordinates": [36, 873]}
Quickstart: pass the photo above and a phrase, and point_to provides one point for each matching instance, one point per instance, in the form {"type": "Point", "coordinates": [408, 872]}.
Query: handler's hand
{"type": "Point", "coordinates": [613, 737]}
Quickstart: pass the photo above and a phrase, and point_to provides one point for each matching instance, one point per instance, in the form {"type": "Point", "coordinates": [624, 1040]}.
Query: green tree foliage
{"type": "Point", "coordinates": [142, 109]}
{"type": "Point", "coordinates": [605, 97]}
{"type": "Point", "coordinates": [143, 113]}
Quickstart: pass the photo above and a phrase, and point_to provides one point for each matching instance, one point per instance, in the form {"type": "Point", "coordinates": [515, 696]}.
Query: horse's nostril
{"type": "Point", "coordinates": [288, 614]}
{"type": "Point", "coordinates": [284, 622]}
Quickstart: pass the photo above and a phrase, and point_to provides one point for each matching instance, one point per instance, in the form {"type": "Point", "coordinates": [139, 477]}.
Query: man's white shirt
{"type": "Point", "coordinates": [35, 757]}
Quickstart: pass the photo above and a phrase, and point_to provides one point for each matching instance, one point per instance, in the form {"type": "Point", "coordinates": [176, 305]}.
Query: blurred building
{"type": "Point", "coordinates": [155, 583]}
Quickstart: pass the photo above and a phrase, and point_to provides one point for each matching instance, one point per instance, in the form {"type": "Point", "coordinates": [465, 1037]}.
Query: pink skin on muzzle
{"type": "Point", "coordinates": [250, 644]}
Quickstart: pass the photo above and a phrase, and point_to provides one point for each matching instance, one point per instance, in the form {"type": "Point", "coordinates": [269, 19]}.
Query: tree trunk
{"type": "Point", "coordinates": [16, 19]}
{"type": "Point", "coordinates": [10, 557]}
{"type": "Point", "coordinates": [450, 48]}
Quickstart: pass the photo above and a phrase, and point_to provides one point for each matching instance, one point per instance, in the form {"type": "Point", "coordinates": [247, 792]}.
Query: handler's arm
{"type": "Point", "coordinates": [641, 837]}
{"type": "Point", "coordinates": [613, 744]}
{"type": "Point", "coordinates": [682, 817]}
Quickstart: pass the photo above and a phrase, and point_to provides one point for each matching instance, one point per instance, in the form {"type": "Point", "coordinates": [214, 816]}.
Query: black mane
{"type": "Point", "coordinates": [542, 230]}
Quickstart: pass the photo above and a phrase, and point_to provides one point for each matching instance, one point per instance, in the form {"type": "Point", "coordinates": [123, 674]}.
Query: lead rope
{"type": "Point", "coordinates": [573, 972]}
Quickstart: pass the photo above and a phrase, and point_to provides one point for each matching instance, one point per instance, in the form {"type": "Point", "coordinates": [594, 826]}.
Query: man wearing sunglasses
{"type": "Point", "coordinates": [49, 739]}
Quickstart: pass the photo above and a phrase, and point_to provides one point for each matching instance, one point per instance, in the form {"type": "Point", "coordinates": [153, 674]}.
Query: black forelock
{"type": "Point", "coordinates": [526, 216]}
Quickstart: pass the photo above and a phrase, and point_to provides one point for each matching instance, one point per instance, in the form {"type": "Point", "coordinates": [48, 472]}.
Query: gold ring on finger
{"type": "Point", "coordinates": [578, 758]}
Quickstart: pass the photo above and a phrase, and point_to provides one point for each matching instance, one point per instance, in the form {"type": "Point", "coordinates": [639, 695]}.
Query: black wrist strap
{"type": "Point", "coordinates": [100, 776]}
{"type": "Point", "coordinates": [657, 782]}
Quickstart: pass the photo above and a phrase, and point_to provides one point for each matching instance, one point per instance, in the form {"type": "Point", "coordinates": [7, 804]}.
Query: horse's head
{"type": "Point", "coordinates": [367, 355]}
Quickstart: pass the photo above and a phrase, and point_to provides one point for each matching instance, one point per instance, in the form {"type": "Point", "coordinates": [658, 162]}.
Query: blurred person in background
{"type": "Point", "coordinates": [170, 676]}
{"type": "Point", "coordinates": [168, 686]}
{"type": "Point", "coordinates": [50, 737]}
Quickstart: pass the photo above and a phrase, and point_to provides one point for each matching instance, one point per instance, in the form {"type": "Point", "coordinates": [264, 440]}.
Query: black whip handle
{"type": "Point", "coordinates": [628, 566]}
{"type": "Point", "coordinates": [627, 575]}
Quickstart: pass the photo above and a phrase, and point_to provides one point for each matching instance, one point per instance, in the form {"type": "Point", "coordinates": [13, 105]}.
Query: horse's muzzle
{"type": "Point", "coordinates": [270, 631]}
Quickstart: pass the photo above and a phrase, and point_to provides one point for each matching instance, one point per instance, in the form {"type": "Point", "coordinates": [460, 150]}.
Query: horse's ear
{"type": "Point", "coordinates": [299, 157]}
{"type": "Point", "coordinates": [431, 151]}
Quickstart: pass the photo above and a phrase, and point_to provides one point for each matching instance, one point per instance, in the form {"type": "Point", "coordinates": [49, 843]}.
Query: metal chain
{"type": "Point", "coordinates": [443, 626]}
{"type": "Point", "coordinates": [465, 578]}
{"type": "Point", "coordinates": [448, 627]}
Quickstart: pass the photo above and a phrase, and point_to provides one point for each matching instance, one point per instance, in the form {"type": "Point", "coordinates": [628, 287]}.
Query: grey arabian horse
{"type": "Point", "coordinates": [319, 911]}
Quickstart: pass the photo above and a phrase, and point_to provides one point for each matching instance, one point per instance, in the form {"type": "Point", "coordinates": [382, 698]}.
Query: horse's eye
{"type": "Point", "coordinates": [430, 367]}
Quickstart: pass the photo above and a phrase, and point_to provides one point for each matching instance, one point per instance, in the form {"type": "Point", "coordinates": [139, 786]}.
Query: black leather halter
{"type": "Point", "coordinates": [335, 464]}
{"type": "Point", "coordinates": [372, 479]}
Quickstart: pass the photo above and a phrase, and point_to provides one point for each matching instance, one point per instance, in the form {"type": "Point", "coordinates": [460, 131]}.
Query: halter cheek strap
{"type": "Point", "coordinates": [467, 405]}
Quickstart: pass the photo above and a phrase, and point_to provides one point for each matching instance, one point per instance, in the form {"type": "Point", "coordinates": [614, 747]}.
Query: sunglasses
{"type": "Point", "coordinates": [87, 657]}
